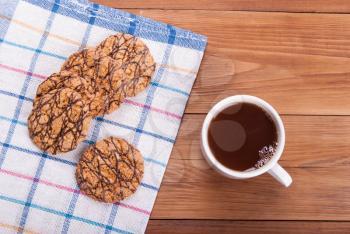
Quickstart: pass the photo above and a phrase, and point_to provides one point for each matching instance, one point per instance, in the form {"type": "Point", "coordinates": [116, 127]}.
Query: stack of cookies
{"type": "Point", "coordinates": [93, 82]}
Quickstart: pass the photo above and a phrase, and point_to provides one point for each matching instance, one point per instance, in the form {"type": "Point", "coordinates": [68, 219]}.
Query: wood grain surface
{"type": "Point", "coordinates": [297, 62]}
{"type": "Point", "coordinates": [191, 190]}
{"type": "Point", "coordinates": [293, 54]}
{"type": "Point", "coordinates": [331, 6]}
{"type": "Point", "coordinates": [311, 141]}
{"type": "Point", "coordinates": [249, 227]}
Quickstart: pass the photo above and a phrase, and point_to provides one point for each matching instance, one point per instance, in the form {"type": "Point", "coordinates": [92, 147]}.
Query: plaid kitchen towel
{"type": "Point", "coordinates": [38, 191]}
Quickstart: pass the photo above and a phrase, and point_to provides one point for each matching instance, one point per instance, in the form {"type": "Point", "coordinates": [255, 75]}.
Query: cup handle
{"type": "Point", "coordinates": [280, 175]}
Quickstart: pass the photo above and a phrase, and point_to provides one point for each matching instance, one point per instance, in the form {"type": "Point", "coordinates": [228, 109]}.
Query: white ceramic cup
{"type": "Point", "coordinates": [272, 166]}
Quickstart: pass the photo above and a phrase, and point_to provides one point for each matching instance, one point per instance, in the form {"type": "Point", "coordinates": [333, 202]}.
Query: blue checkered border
{"type": "Point", "coordinates": [117, 20]}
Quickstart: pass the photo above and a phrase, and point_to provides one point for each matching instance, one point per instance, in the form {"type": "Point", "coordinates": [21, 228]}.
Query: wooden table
{"type": "Point", "coordinates": [295, 55]}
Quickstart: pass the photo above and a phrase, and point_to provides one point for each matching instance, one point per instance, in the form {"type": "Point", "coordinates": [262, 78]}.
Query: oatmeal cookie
{"type": "Point", "coordinates": [133, 57]}
{"type": "Point", "coordinates": [110, 170]}
{"type": "Point", "coordinates": [59, 121]}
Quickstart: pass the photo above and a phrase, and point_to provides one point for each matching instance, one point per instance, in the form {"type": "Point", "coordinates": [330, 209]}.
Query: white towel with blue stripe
{"type": "Point", "coordinates": [38, 191]}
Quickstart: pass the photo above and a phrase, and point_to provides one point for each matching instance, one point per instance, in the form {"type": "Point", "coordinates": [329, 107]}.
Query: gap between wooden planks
{"type": "Point", "coordinates": [247, 227]}
{"type": "Point", "coordinates": [341, 6]}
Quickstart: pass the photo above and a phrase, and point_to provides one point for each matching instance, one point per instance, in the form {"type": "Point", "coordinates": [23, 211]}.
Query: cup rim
{"type": "Point", "coordinates": [229, 101]}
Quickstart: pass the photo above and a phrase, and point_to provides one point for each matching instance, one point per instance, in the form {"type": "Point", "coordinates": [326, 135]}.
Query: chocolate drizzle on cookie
{"type": "Point", "coordinates": [66, 79]}
{"type": "Point", "coordinates": [134, 57]}
{"type": "Point", "coordinates": [59, 121]}
{"type": "Point", "coordinates": [110, 170]}
{"type": "Point", "coordinates": [81, 63]}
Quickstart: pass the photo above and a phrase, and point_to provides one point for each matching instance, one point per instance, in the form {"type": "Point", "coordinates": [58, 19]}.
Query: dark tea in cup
{"type": "Point", "coordinates": [242, 137]}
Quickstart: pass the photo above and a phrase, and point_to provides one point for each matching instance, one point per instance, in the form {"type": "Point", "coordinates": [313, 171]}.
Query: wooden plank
{"type": "Point", "coordinates": [246, 227]}
{"type": "Point", "coordinates": [317, 157]}
{"type": "Point", "coordinates": [190, 192]}
{"type": "Point", "coordinates": [311, 141]}
{"type": "Point", "coordinates": [297, 62]}
{"type": "Point", "coordinates": [237, 5]}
